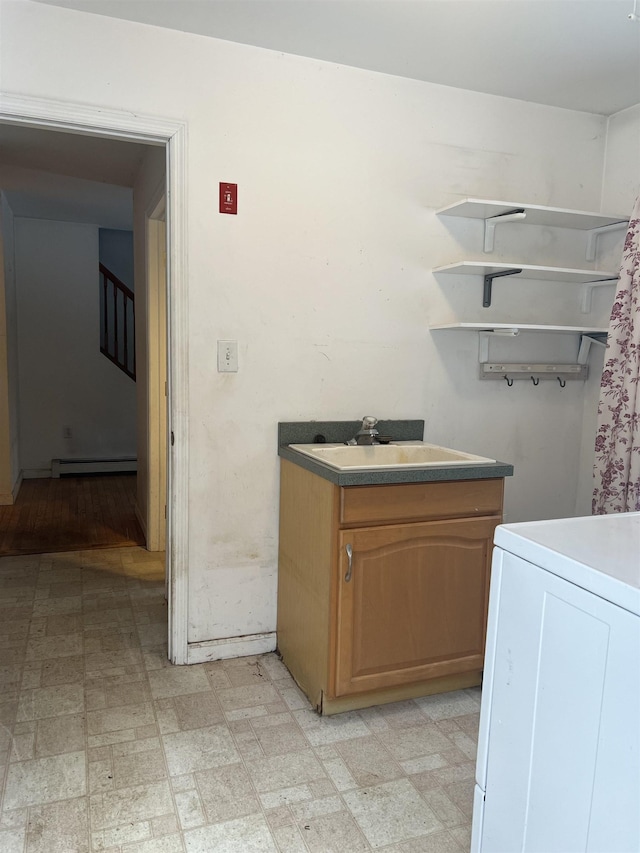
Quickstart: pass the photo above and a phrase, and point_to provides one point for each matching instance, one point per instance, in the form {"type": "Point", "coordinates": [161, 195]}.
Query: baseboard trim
{"type": "Point", "coordinates": [231, 647]}
{"type": "Point", "coordinates": [60, 467]}
{"type": "Point", "coordinates": [36, 473]}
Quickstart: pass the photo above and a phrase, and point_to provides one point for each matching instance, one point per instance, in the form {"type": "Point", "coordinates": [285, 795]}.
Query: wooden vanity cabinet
{"type": "Point", "coordinates": [383, 590]}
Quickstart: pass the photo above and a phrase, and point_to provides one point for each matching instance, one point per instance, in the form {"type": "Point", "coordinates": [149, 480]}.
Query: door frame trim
{"type": "Point", "coordinates": [157, 380]}
{"type": "Point", "coordinates": [94, 121]}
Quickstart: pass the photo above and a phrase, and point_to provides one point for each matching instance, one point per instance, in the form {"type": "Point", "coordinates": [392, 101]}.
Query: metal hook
{"type": "Point", "coordinates": [561, 381]}
{"type": "Point", "coordinates": [535, 380]}
{"type": "Point", "coordinates": [509, 381]}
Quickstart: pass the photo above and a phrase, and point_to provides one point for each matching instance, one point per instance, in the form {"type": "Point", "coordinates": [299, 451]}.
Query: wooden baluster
{"type": "Point", "coordinates": [118, 328]}
{"type": "Point", "coordinates": [126, 331]}
{"type": "Point", "coordinates": [133, 312]}
{"type": "Point", "coordinates": [105, 321]}
{"type": "Point", "coordinates": [115, 322]}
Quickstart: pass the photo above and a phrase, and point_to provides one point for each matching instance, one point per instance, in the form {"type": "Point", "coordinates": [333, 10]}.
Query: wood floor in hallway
{"type": "Point", "coordinates": [71, 514]}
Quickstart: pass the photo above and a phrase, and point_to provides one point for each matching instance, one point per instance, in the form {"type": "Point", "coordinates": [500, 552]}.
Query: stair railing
{"type": "Point", "coordinates": [117, 322]}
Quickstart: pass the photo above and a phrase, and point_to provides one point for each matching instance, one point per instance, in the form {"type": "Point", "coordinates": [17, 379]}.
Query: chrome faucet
{"type": "Point", "coordinates": [367, 434]}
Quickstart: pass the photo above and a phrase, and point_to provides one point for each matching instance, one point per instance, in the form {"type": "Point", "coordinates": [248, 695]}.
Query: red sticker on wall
{"type": "Point", "coordinates": [228, 198]}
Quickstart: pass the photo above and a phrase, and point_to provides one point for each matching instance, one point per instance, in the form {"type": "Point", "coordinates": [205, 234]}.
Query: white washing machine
{"type": "Point", "coordinates": [558, 767]}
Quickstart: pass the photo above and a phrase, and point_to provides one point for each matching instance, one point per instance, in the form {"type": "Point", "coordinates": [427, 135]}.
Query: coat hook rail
{"type": "Point", "coordinates": [535, 372]}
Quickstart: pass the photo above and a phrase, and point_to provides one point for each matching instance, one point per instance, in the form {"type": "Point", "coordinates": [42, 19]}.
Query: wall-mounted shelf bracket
{"type": "Point", "coordinates": [490, 225]}
{"type": "Point", "coordinates": [594, 233]}
{"type": "Point", "coordinates": [534, 372]}
{"type": "Point", "coordinates": [587, 291]}
{"type": "Point", "coordinates": [483, 341]}
{"type": "Point", "coordinates": [488, 284]}
{"type": "Point", "coordinates": [585, 346]}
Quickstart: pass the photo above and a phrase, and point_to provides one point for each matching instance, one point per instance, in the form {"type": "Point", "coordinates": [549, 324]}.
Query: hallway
{"type": "Point", "coordinates": [71, 513]}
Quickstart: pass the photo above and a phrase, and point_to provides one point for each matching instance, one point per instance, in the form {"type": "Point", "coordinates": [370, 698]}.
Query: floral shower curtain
{"type": "Point", "coordinates": [617, 464]}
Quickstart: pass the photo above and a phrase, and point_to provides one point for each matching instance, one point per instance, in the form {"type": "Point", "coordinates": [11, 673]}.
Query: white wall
{"type": "Point", "coordinates": [324, 275]}
{"type": "Point", "coordinates": [622, 165]}
{"type": "Point", "coordinates": [116, 253]}
{"type": "Point", "coordinates": [65, 382]}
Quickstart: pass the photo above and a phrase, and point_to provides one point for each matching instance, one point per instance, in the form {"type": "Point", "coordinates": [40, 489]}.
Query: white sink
{"type": "Point", "coordinates": [400, 454]}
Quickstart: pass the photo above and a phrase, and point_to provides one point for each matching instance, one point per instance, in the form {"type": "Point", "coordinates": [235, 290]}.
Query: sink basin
{"type": "Point", "coordinates": [401, 454]}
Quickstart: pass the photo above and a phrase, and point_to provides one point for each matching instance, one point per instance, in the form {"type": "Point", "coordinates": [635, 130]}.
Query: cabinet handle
{"type": "Point", "coordinates": [349, 551]}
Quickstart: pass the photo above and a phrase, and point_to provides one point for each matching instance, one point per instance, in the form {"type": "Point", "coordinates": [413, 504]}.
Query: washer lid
{"type": "Point", "coordinates": [599, 553]}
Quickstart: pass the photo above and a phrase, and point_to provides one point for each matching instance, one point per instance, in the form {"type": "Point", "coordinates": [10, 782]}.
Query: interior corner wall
{"type": "Point", "coordinates": [621, 178]}
{"type": "Point", "coordinates": [9, 460]}
{"type": "Point", "coordinates": [74, 403]}
{"type": "Point", "coordinates": [324, 277]}
{"type": "Point", "coordinates": [620, 188]}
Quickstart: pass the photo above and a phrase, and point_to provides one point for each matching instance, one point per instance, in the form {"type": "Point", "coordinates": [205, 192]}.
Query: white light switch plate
{"type": "Point", "coordinates": [227, 356]}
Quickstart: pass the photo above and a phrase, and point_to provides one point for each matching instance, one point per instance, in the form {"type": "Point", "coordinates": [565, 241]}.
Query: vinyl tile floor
{"type": "Point", "coordinates": [105, 746]}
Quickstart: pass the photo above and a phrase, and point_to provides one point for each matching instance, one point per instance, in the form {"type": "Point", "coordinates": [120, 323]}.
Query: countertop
{"type": "Point", "coordinates": [305, 432]}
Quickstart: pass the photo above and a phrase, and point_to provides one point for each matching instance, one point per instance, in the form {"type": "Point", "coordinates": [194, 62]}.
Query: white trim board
{"type": "Point", "coordinates": [231, 647]}
{"type": "Point", "coordinates": [536, 214]}
{"type": "Point", "coordinates": [78, 118]}
{"type": "Point", "coordinates": [528, 271]}
{"type": "Point", "coordinates": [35, 473]}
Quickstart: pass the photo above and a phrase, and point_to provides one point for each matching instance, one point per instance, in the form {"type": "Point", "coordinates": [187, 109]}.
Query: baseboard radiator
{"type": "Point", "coordinates": [77, 467]}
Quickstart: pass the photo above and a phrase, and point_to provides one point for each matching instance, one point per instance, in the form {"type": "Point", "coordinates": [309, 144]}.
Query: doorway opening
{"type": "Point", "coordinates": [160, 506]}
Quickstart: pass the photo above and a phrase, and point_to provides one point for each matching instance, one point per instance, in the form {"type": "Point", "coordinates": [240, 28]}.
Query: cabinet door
{"type": "Point", "coordinates": [413, 606]}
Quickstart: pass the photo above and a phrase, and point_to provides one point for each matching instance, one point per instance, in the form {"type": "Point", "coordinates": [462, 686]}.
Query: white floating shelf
{"type": "Point", "coordinates": [514, 328]}
{"type": "Point", "coordinates": [477, 208]}
{"type": "Point", "coordinates": [540, 273]}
